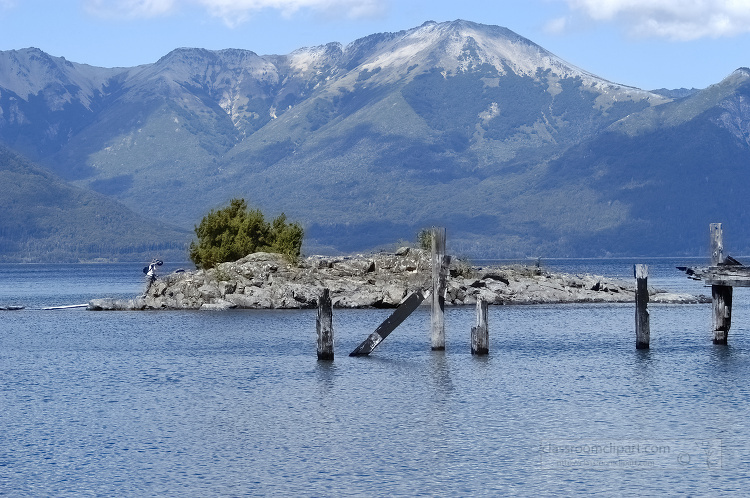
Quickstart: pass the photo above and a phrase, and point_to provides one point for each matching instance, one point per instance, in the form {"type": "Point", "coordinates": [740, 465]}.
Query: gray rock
{"type": "Point", "coordinates": [264, 280]}
{"type": "Point", "coordinates": [218, 305]}
{"type": "Point", "coordinates": [494, 275]}
{"type": "Point", "coordinates": [227, 288]}
{"type": "Point", "coordinates": [247, 301]}
{"type": "Point", "coordinates": [209, 291]}
{"type": "Point", "coordinates": [108, 304]}
{"type": "Point", "coordinates": [306, 295]}
{"type": "Point", "coordinates": [393, 294]}
{"type": "Point", "coordinates": [354, 267]}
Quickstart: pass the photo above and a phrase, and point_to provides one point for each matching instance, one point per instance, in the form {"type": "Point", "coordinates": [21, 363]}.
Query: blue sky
{"type": "Point", "coordinates": [644, 43]}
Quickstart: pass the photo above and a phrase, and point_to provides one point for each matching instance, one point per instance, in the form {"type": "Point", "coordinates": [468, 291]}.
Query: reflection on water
{"type": "Point", "coordinates": [644, 364]}
{"type": "Point", "coordinates": [440, 375]}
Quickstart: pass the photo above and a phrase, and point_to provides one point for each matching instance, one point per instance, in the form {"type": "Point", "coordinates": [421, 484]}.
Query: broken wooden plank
{"type": "Point", "coordinates": [69, 306]}
{"type": "Point", "coordinates": [727, 281]}
{"type": "Point", "coordinates": [730, 261]}
{"type": "Point", "coordinates": [405, 308]}
{"type": "Point", "coordinates": [724, 270]}
{"type": "Point", "coordinates": [731, 273]}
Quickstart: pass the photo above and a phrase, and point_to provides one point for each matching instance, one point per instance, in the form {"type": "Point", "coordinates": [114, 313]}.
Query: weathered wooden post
{"type": "Point", "coordinates": [721, 294]}
{"type": "Point", "coordinates": [642, 325]}
{"type": "Point", "coordinates": [480, 336]}
{"type": "Point", "coordinates": [439, 276]}
{"type": "Point", "coordinates": [717, 244]}
{"type": "Point", "coordinates": [722, 311]}
{"type": "Point", "coordinates": [324, 325]}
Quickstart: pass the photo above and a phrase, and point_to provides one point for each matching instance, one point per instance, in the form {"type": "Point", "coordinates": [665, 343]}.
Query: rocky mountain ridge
{"type": "Point", "coordinates": [456, 124]}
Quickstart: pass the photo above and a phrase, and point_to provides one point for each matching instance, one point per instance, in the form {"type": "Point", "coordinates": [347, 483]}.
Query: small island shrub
{"type": "Point", "coordinates": [424, 239]}
{"type": "Point", "coordinates": [235, 231]}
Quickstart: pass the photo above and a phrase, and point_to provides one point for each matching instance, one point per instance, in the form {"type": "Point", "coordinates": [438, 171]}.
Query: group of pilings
{"type": "Point", "coordinates": [440, 264]}
{"type": "Point", "coordinates": [718, 276]}
{"type": "Point", "coordinates": [720, 291]}
{"type": "Point", "coordinates": [436, 292]}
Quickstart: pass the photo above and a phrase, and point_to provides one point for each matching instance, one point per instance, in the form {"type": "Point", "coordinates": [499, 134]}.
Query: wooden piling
{"type": "Point", "coordinates": [480, 337]}
{"type": "Point", "coordinates": [722, 312]}
{"type": "Point", "coordinates": [439, 278]}
{"type": "Point", "coordinates": [717, 244]}
{"type": "Point", "coordinates": [721, 294]}
{"type": "Point", "coordinates": [642, 322]}
{"type": "Point", "coordinates": [324, 325]}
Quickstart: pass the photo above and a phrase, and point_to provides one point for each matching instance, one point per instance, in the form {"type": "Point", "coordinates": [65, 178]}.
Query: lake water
{"type": "Point", "coordinates": [235, 403]}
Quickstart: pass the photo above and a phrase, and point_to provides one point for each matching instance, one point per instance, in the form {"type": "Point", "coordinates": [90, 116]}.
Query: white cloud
{"type": "Point", "coordinates": [129, 9]}
{"type": "Point", "coordinates": [679, 20]}
{"type": "Point", "coordinates": [234, 12]}
{"type": "Point", "coordinates": [556, 26]}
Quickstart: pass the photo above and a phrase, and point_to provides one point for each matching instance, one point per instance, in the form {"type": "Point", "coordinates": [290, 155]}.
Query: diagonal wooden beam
{"type": "Point", "coordinates": [404, 309]}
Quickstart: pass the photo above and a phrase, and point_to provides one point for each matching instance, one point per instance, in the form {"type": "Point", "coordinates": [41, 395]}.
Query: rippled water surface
{"type": "Point", "coordinates": [235, 403]}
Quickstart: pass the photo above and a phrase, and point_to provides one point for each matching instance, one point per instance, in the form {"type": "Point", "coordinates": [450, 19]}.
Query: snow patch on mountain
{"type": "Point", "coordinates": [460, 46]}
{"type": "Point", "coordinates": [308, 59]}
{"type": "Point", "coordinates": [403, 52]}
{"type": "Point", "coordinates": [492, 111]}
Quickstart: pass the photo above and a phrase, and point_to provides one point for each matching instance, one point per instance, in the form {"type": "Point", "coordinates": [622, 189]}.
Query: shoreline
{"type": "Point", "coordinates": [268, 281]}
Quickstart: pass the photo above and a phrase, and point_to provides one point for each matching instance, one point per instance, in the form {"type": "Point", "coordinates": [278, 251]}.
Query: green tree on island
{"type": "Point", "coordinates": [235, 231]}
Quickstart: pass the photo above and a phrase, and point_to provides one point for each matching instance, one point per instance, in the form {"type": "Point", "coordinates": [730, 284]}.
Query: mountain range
{"type": "Point", "coordinates": [456, 124]}
{"type": "Point", "coordinates": [45, 219]}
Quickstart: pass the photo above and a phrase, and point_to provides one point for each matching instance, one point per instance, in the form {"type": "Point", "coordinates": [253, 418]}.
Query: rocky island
{"type": "Point", "coordinates": [269, 281]}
